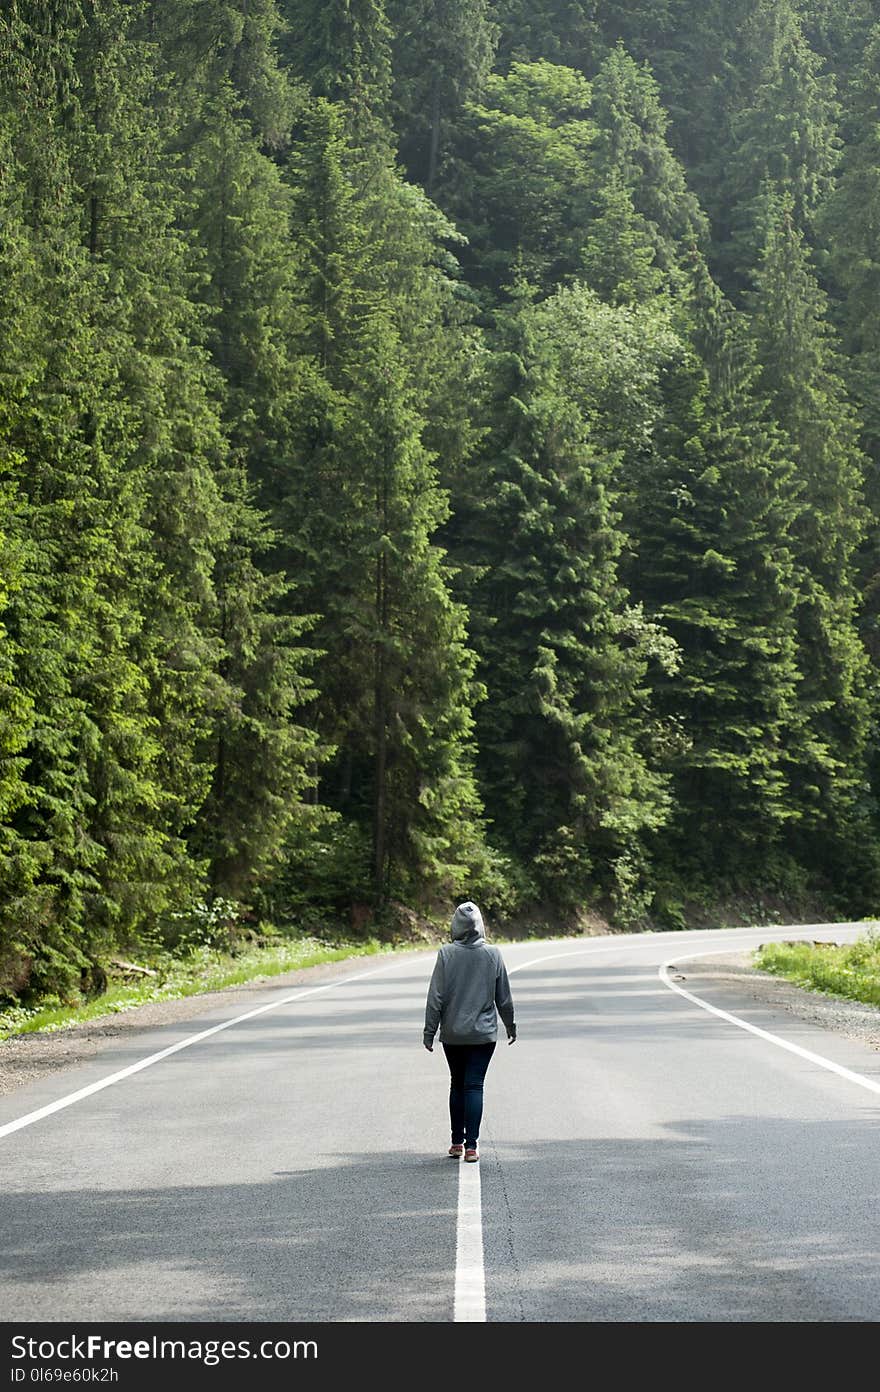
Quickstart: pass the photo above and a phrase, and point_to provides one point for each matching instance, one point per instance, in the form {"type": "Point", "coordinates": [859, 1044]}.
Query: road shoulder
{"type": "Point", "coordinates": [734, 970]}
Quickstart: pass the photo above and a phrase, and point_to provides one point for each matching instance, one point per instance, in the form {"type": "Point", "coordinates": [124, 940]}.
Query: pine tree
{"type": "Point", "coordinates": [704, 72]}
{"type": "Point", "coordinates": [217, 44]}
{"type": "Point", "coordinates": [632, 152]}
{"type": "Point", "coordinates": [800, 373]}
{"type": "Point", "coordinates": [19, 862]}
{"type": "Point", "coordinates": [135, 206]}
{"type": "Point", "coordinates": [838, 30]}
{"type": "Point", "coordinates": [712, 510]}
{"type": "Point", "coordinates": [217, 664]}
{"type": "Point", "coordinates": [848, 228]}
{"type": "Point", "coordinates": [129, 500]}
{"type": "Point", "coordinates": [359, 515]}
{"type": "Point", "coordinates": [619, 257]}
{"type": "Point", "coordinates": [262, 756]}
{"type": "Point", "coordinates": [785, 134]}
{"type": "Point", "coordinates": [567, 786]}
{"type": "Point", "coordinates": [443, 52]}
{"type": "Point", "coordinates": [560, 31]}
{"type": "Point", "coordinates": [341, 50]}
{"type": "Point", "coordinates": [95, 815]}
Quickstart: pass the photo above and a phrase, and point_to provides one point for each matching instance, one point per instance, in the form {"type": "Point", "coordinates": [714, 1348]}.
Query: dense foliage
{"type": "Point", "coordinates": [439, 457]}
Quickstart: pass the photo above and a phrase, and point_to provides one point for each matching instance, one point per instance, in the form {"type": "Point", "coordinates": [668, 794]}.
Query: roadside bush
{"type": "Point", "coordinates": [851, 971]}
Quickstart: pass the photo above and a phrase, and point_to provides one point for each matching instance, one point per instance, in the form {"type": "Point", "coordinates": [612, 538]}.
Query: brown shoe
{"type": "Point", "coordinates": [455, 1151]}
{"type": "Point", "coordinates": [471, 1153]}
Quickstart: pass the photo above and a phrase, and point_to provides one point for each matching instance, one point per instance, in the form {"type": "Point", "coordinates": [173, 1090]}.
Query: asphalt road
{"type": "Point", "coordinates": [642, 1159]}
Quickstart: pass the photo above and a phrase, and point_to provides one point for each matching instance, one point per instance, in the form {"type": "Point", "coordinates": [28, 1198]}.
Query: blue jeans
{"type": "Point", "coordinates": [467, 1070]}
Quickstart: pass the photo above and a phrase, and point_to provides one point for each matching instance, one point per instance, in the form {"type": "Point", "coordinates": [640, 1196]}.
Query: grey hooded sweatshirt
{"type": "Point", "coordinates": [468, 983]}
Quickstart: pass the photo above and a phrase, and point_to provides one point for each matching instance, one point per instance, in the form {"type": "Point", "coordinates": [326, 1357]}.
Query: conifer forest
{"type": "Point", "coordinates": [439, 459]}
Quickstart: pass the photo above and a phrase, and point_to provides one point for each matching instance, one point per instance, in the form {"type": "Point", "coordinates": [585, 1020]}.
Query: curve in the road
{"type": "Point", "coordinates": [852, 1077]}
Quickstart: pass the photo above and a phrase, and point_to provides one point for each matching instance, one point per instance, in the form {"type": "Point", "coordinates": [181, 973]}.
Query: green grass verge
{"type": "Point", "coordinates": [852, 972]}
{"type": "Point", "coordinates": [205, 969]}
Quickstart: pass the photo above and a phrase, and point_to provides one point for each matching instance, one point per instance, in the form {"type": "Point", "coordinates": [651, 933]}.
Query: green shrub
{"type": "Point", "coordinates": [851, 971]}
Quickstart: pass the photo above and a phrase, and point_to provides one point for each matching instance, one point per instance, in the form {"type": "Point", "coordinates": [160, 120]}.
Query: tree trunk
{"type": "Point", "coordinates": [434, 147]}
{"type": "Point", "coordinates": [380, 700]}
{"type": "Point", "coordinates": [93, 225]}
{"type": "Point", "coordinates": [381, 773]}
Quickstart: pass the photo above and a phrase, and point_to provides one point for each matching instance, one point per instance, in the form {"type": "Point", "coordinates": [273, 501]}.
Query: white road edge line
{"type": "Point", "coordinates": [68, 1101]}
{"type": "Point", "coordinates": [470, 1276]}
{"type": "Point", "coordinates": [869, 1083]}
{"type": "Point", "coordinates": [31, 1117]}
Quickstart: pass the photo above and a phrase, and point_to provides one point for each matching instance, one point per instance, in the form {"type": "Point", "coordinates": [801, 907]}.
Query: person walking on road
{"type": "Point", "coordinates": [469, 989]}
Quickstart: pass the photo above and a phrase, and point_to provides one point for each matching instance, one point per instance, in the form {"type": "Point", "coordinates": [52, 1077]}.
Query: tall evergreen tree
{"type": "Point", "coordinates": [297, 529]}
{"type": "Point", "coordinates": [619, 257]}
{"type": "Point", "coordinates": [443, 52]}
{"type": "Point", "coordinates": [632, 150]}
{"type": "Point", "coordinates": [263, 758]}
{"type": "Point", "coordinates": [236, 655]}
{"type": "Point", "coordinates": [568, 787]}
{"type": "Point", "coordinates": [19, 857]}
{"type": "Point", "coordinates": [839, 30]}
{"type": "Point", "coordinates": [560, 31]}
{"type": "Point", "coordinates": [96, 815]}
{"type": "Point", "coordinates": [785, 134]}
{"type": "Point", "coordinates": [848, 227]}
{"type": "Point", "coordinates": [135, 204]}
{"type": "Point", "coordinates": [800, 373]}
{"type": "Point", "coordinates": [130, 503]}
{"type": "Point", "coordinates": [341, 50]}
{"type": "Point", "coordinates": [713, 507]}
{"type": "Point", "coordinates": [360, 512]}
{"type": "Point", "coordinates": [220, 43]}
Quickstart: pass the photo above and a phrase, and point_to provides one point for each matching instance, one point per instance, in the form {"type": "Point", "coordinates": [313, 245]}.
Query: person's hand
{"type": "Point", "coordinates": [511, 1035]}
{"type": "Point", "coordinates": [429, 1047]}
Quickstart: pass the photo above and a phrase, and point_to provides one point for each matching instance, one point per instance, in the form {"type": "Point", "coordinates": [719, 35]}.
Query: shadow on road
{"type": "Point", "coordinates": [744, 1218]}
{"type": "Point", "coordinates": [368, 1237]}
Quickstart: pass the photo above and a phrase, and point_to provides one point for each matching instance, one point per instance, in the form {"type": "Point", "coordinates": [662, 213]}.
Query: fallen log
{"type": "Point", "coordinates": [132, 967]}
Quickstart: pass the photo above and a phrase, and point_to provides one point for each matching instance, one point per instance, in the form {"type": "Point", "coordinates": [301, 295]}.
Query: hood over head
{"type": "Point", "coordinates": [467, 923]}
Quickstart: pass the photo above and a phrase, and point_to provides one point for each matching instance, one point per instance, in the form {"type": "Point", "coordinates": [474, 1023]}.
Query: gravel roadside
{"type": "Point", "coordinates": [27, 1057]}
{"type": "Point", "coordinates": [852, 1018]}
